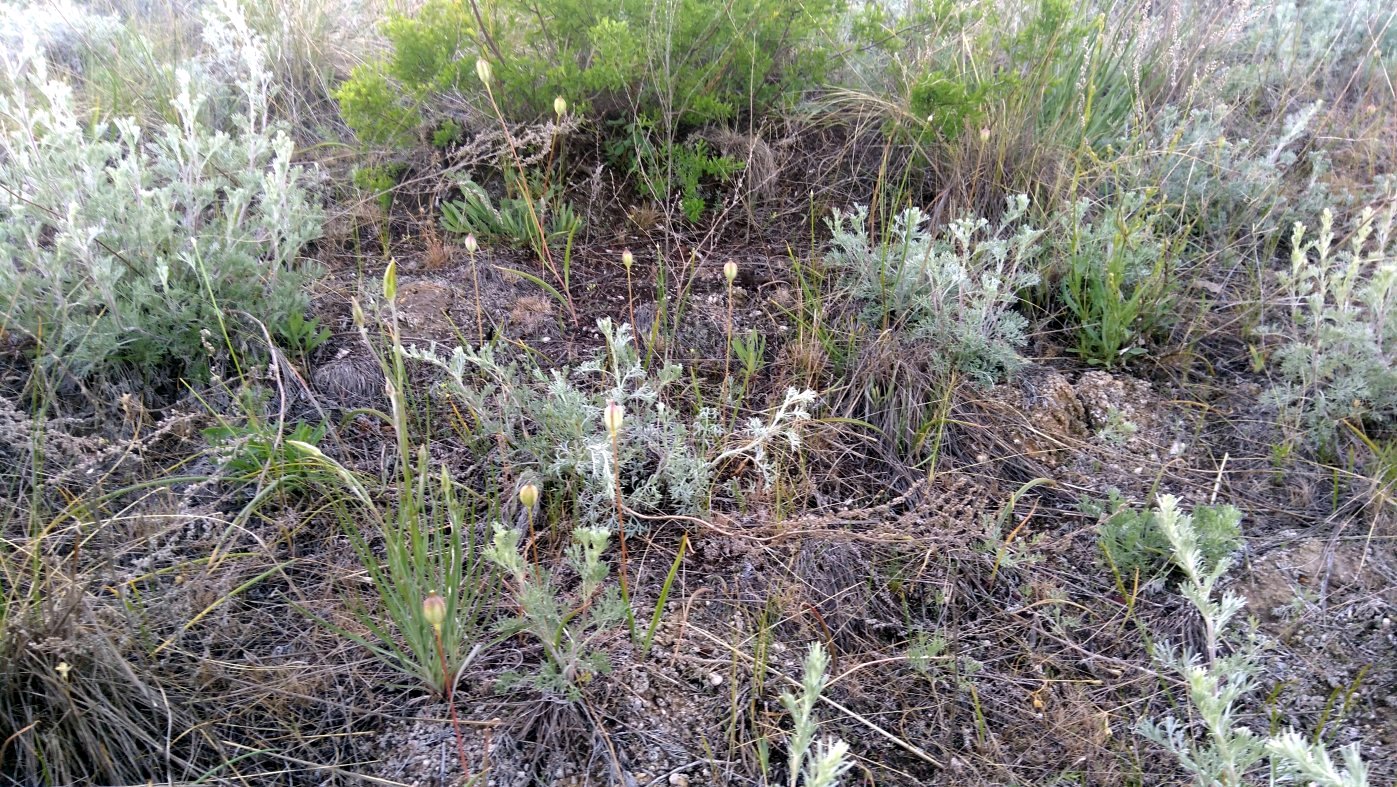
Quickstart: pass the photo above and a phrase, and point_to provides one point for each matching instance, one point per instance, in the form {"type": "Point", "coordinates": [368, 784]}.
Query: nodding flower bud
{"type": "Point", "coordinates": [614, 415]}
{"type": "Point", "coordinates": [528, 495]}
{"type": "Point", "coordinates": [472, 245]}
{"type": "Point", "coordinates": [482, 70]}
{"type": "Point", "coordinates": [390, 280]}
{"type": "Point", "coordinates": [627, 259]}
{"type": "Point", "coordinates": [730, 271]}
{"type": "Point", "coordinates": [560, 106]}
{"type": "Point", "coordinates": [434, 610]}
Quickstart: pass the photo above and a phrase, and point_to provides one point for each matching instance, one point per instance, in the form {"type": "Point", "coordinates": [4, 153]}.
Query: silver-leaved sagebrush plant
{"type": "Point", "coordinates": [551, 422]}
{"type": "Point", "coordinates": [1216, 749]}
{"type": "Point", "coordinates": [955, 289]}
{"type": "Point", "coordinates": [129, 245]}
{"type": "Point", "coordinates": [1341, 360]}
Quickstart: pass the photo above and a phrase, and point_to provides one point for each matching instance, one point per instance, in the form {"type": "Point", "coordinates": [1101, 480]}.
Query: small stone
{"type": "Point", "coordinates": [715, 680]}
{"type": "Point", "coordinates": [678, 780]}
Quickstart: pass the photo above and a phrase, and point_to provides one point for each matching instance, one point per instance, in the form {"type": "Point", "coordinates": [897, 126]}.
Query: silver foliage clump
{"type": "Point", "coordinates": [1341, 360]}
{"type": "Point", "coordinates": [551, 422]}
{"type": "Point", "coordinates": [955, 289]}
{"type": "Point", "coordinates": [125, 241]}
{"type": "Point", "coordinates": [1215, 748]}
{"type": "Point", "coordinates": [566, 625]}
{"type": "Point", "coordinates": [829, 760]}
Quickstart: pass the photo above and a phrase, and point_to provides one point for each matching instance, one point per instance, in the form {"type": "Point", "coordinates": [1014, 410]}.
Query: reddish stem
{"type": "Point", "coordinates": [450, 682]}
{"type": "Point", "coordinates": [620, 517]}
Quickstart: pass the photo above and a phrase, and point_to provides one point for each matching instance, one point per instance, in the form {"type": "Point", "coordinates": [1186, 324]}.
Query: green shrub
{"type": "Point", "coordinates": [1134, 544]}
{"type": "Point", "coordinates": [1064, 71]}
{"type": "Point", "coordinates": [370, 104]}
{"type": "Point", "coordinates": [663, 168]}
{"type": "Point", "coordinates": [137, 250]}
{"type": "Point", "coordinates": [696, 61]}
{"type": "Point", "coordinates": [378, 181]}
{"type": "Point", "coordinates": [950, 101]}
{"type": "Point", "coordinates": [953, 292]}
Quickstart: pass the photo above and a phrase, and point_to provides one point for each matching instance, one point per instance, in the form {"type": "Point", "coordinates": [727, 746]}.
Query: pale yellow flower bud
{"type": "Point", "coordinates": [482, 70]}
{"type": "Point", "coordinates": [560, 106]}
{"type": "Point", "coordinates": [528, 495]}
{"type": "Point", "coordinates": [390, 280]}
{"type": "Point", "coordinates": [434, 610]}
{"type": "Point", "coordinates": [613, 417]}
{"type": "Point", "coordinates": [471, 244]}
{"type": "Point", "coordinates": [627, 259]}
{"type": "Point", "coordinates": [730, 271]}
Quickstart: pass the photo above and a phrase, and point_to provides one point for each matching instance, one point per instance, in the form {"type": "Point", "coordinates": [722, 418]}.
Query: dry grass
{"type": "Point", "coordinates": [162, 620]}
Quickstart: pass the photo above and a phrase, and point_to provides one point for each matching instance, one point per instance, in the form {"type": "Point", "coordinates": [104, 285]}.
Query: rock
{"type": "Point", "coordinates": [1109, 402]}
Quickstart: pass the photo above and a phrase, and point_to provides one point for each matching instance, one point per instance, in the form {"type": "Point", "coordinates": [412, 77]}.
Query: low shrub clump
{"type": "Point", "coordinates": [146, 252]}
{"type": "Point", "coordinates": [1340, 361]}
{"type": "Point", "coordinates": [551, 424]}
{"type": "Point", "coordinates": [954, 290]}
{"type": "Point", "coordinates": [690, 63]}
{"type": "Point", "coordinates": [1114, 276]}
{"type": "Point", "coordinates": [1221, 674]}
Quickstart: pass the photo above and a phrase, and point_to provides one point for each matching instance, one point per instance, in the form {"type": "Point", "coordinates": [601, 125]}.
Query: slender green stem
{"type": "Point", "coordinates": [479, 313]}
{"type": "Point", "coordinates": [546, 253]}
{"type": "Point", "coordinates": [630, 298]}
